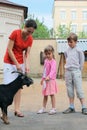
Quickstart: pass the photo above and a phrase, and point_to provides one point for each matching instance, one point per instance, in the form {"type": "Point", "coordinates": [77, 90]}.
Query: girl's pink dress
{"type": "Point", "coordinates": [49, 87]}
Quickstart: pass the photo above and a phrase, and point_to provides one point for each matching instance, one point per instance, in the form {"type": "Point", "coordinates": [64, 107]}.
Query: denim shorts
{"type": "Point", "coordinates": [73, 79]}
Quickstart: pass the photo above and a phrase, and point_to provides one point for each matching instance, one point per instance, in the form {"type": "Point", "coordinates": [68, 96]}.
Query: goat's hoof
{"type": "Point", "coordinates": [5, 121]}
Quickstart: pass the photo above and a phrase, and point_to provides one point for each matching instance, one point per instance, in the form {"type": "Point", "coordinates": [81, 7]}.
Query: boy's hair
{"type": "Point", "coordinates": [73, 37]}
{"type": "Point", "coordinates": [31, 23]}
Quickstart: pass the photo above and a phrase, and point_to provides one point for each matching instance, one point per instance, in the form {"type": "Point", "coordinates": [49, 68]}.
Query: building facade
{"type": "Point", "coordinates": [70, 12]}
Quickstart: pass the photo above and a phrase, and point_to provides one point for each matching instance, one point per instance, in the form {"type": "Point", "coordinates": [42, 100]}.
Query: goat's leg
{"type": "Point", "coordinates": [4, 116]}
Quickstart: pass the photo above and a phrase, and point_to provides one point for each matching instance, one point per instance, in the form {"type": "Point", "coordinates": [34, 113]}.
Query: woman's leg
{"type": "Point", "coordinates": [17, 100]}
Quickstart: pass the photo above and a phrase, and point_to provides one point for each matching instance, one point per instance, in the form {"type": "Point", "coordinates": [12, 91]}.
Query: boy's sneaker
{"type": "Point", "coordinates": [84, 111]}
{"type": "Point", "coordinates": [41, 111]}
{"type": "Point", "coordinates": [69, 110]}
{"type": "Point", "coordinates": [52, 111]}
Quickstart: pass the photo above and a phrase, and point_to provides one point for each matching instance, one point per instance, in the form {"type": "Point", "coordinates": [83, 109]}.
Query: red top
{"type": "Point", "coordinates": [19, 46]}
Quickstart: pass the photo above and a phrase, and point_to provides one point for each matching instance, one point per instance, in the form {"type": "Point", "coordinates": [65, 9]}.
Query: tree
{"type": "Point", "coordinates": [42, 31]}
{"type": "Point", "coordinates": [63, 31]}
{"type": "Point", "coordinates": [82, 34]}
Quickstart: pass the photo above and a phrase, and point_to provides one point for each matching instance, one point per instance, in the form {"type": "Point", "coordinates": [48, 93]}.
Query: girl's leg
{"type": "Point", "coordinates": [52, 101]}
{"type": "Point", "coordinates": [45, 98]}
{"type": "Point", "coordinates": [53, 110]}
{"type": "Point", "coordinates": [45, 101]}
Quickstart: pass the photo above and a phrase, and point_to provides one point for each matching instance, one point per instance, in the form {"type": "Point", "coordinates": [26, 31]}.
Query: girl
{"type": "Point", "coordinates": [49, 80]}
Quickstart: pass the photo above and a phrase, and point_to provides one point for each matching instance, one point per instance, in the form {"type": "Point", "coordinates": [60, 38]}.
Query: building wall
{"type": "Point", "coordinates": [68, 7]}
{"type": "Point", "coordinates": [38, 46]}
{"type": "Point", "coordinates": [10, 19]}
{"type": "Point", "coordinates": [84, 73]}
{"type": "Point", "coordinates": [36, 68]}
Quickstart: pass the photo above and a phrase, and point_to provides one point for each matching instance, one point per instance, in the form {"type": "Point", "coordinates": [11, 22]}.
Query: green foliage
{"type": "Point", "coordinates": [82, 35]}
{"type": "Point", "coordinates": [63, 31]}
{"type": "Point", "coordinates": [41, 31]}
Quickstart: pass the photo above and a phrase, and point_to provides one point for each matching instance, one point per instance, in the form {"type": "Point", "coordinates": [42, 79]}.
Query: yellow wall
{"type": "Point", "coordinates": [38, 46]}
{"type": "Point", "coordinates": [68, 6]}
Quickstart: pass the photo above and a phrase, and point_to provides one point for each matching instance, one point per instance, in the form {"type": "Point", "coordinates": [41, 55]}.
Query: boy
{"type": "Point", "coordinates": [73, 67]}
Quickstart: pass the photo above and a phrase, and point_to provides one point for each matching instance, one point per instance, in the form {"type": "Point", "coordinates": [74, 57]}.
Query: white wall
{"type": "Point", "coordinates": [10, 19]}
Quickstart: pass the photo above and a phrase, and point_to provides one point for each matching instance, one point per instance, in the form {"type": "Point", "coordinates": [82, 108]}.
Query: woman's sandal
{"type": "Point", "coordinates": [18, 114]}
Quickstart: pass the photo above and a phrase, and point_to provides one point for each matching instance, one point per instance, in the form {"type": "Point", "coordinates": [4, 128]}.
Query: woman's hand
{"type": "Point", "coordinates": [19, 68]}
{"type": "Point", "coordinates": [26, 70]}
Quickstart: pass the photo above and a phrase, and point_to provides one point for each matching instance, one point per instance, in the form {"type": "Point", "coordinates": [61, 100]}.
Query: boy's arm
{"type": "Point", "coordinates": [81, 59]}
{"type": "Point", "coordinates": [65, 54]}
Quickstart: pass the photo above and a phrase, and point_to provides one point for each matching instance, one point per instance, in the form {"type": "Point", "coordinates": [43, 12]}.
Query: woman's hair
{"type": "Point", "coordinates": [31, 23]}
{"type": "Point", "coordinates": [49, 48]}
{"type": "Point", "coordinates": [73, 37]}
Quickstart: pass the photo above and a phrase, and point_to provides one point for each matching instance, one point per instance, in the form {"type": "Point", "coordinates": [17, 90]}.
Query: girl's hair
{"type": "Point", "coordinates": [49, 48]}
{"type": "Point", "coordinates": [73, 37]}
{"type": "Point", "coordinates": [31, 23]}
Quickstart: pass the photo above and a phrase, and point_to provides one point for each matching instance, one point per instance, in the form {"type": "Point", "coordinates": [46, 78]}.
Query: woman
{"type": "Point", "coordinates": [17, 57]}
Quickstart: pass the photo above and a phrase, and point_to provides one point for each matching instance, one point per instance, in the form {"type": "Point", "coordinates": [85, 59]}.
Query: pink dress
{"type": "Point", "coordinates": [49, 87]}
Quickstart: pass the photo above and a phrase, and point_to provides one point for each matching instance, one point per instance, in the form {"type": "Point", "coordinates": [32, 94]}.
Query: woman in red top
{"type": "Point", "coordinates": [17, 57]}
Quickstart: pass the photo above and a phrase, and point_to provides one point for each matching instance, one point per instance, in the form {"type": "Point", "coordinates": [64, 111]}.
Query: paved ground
{"type": "Point", "coordinates": [32, 102]}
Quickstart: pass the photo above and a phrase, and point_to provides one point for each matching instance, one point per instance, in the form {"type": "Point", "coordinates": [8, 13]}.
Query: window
{"type": "Point", "coordinates": [85, 28]}
{"type": "Point", "coordinates": [74, 28]}
{"type": "Point", "coordinates": [63, 15]}
{"type": "Point", "coordinates": [73, 15]}
{"type": "Point", "coordinates": [84, 15]}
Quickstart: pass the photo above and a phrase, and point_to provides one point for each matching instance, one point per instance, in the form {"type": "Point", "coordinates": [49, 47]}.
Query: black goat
{"type": "Point", "coordinates": [8, 91]}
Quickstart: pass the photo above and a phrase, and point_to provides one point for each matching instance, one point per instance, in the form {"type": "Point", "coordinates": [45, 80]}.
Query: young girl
{"type": "Point", "coordinates": [49, 80]}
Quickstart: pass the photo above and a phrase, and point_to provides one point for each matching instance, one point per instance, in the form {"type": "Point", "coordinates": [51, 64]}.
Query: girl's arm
{"type": "Point", "coordinates": [11, 54]}
{"type": "Point", "coordinates": [52, 74]}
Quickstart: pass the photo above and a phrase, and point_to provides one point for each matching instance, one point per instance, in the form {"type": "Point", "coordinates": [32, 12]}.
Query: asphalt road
{"type": "Point", "coordinates": [34, 121]}
{"type": "Point", "coordinates": [32, 102]}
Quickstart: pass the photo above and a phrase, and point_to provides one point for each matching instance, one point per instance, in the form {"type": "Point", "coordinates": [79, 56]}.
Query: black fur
{"type": "Point", "coordinates": [8, 91]}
